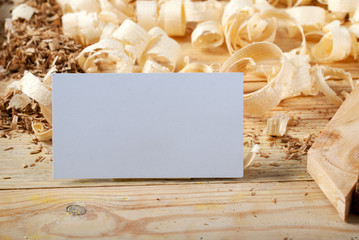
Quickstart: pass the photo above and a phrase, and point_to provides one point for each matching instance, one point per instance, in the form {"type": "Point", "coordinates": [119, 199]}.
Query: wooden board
{"type": "Point", "coordinates": [198, 211]}
{"type": "Point", "coordinates": [333, 160]}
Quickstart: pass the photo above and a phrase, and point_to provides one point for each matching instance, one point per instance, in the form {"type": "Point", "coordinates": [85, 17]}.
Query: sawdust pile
{"type": "Point", "coordinates": [35, 45]}
{"type": "Point", "coordinates": [293, 147]}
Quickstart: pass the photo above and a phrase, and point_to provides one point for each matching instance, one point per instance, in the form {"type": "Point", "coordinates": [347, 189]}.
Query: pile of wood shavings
{"type": "Point", "coordinates": [35, 45]}
{"type": "Point", "coordinates": [293, 147]}
{"type": "Point", "coordinates": [11, 119]}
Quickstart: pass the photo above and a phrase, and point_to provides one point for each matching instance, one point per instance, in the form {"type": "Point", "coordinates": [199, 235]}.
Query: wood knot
{"type": "Point", "coordinates": [76, 209]}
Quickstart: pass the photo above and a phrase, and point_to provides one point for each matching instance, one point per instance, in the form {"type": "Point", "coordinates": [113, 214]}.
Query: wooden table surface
{"type": "Point", "coordinates": [270, 202]}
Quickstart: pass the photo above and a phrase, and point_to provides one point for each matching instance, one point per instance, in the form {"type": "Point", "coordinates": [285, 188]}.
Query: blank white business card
{"type": "Point", "coordinates": [175, 125]}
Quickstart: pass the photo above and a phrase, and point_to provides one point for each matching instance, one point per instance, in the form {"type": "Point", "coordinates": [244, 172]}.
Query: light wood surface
{"type": "Point", "coordinates": [198, 211]}
{"type": "Point", "coordinates": [284, 202]}
{"type": "Point", "coordinates": [333, 160]}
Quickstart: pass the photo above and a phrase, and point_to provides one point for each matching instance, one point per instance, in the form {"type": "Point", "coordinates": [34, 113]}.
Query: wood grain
{"type": "Point", "coordinates": [198, 211]}
{"type": "Point", "coordinates": [333, 161]}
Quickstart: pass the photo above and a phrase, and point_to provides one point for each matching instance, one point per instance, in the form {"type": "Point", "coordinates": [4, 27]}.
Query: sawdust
{"type": "Point", "coordinates": [35, 45]}
{"type": "Point", "coordinates": [294, 148]}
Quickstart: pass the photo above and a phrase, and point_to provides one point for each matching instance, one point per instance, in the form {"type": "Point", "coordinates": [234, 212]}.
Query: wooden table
{"type": "Point", "coordinates": [270, 202]}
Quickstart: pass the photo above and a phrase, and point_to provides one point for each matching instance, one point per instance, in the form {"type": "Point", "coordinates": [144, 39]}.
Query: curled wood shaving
{"type": "Point", "coordinates": [295, 3]}
{"type": "Point", "coordinates": [234, 14]}
{"type": "Point", "coordinates": [33, 87]}
{"type": "Point", "coordinates": [335, 45]}
{"type": "Point", "coordinates": [290, 75]}
{"type": "Point", "coordinates": [22, 11]}
{"type": "Point", "coordinates": [19, 101]}
{"type": "Point", "coordinates": [107, 55]}
{"type": "Point", "coordinates": [196, 67]}
{"type": "Point", "coordinates": [342, 5]}
{"type": "Point", "coordinates": [134, 38]}
{"type": "Point", "coordinates": [202, 11]}
{"type": "Point", "coordinates": [249, 158]}
{"type": "Point", "coordinates": [108, 30]}
{"type": "Point", "coordinates": [47, 113]}
{"type": "Point", "coordinates": [146, 14]}
{"type": "Point", "coordinates": [79, 5]}
{"type": "Point", "coordinates": [172, 18]}
{"type": "Point", "coordinates": [111, 14]}
{"type": "Point", "coordinates": [301, 81]}
{"type": "Point", "coordinates": [162, 49]}
{"type": "Point", "coordinates": [84, 27]}
{"type": "Point", "coordinates": [321, 73]}
{"type": "Point", "coordinates": [41, 132]}
{"type": "Point", "coordinates": [246, 59]}
{"type": "Point", "coordinates": [243, 24]}
{"type": "Point", "coordinates": [277, 125]}
{"type": "Point", "coordinates": [152, 66]}
{"type": "Point", "coordinates": [311, 18]}
{"type": "Point", "coordinates": [207, 35]}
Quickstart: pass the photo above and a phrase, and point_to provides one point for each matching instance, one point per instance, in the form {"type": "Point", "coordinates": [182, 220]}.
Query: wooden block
{"type": "Point", "coordinates": [333, 160]}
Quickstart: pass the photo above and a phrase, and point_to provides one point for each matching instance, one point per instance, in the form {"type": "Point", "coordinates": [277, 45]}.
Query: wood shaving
{"type": "Point", "coordinates": [294, 148]}
{"type": "Point", "coordinates": [207, 35]}
{"type": "Point", "coordinates": [146, 14]}
{"type": "Point", "coordinates": [35, 152]}
{"type": "Point", "coordinates": [250, 157]}
{"type": "Point", "coordinates": [202, 11]}
{"type": "Point", "coordinates": [22, 11]}
{"type": "Point", "coordinates": [274, 164]}
{"type": "Point", "coordinates": [172, 18]}
{"type": "Point", "coordinates": [34, 45]}
{"type": "Point", "coordinates": [162, 50]}
{"type": "Point", "coordinates": [276, 125]}
{"type": "Point", "coordinates": [39, 159]}
{"type": "Point", "coordinates": [263, 155]}
{"type": "Point", "coordinates": [37, 33]}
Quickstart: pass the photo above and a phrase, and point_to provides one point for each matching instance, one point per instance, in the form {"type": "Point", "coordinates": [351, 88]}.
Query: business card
{"type": "Point", "coordinates": [137, 125]}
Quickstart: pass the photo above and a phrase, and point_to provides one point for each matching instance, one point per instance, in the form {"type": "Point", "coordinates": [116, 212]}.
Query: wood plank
{"type": "Point", "coordinates": [333, 161]}
{"type": "Point", "coordinates": [197, 211]}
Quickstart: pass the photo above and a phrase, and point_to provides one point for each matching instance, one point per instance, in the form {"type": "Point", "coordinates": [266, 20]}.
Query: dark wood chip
{"type": "Point", "coordinates": [35, 151]}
